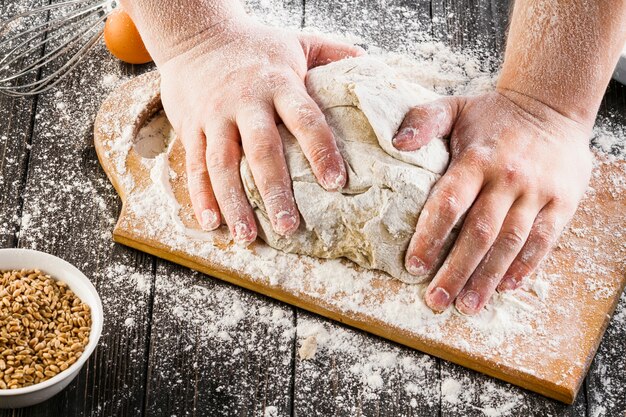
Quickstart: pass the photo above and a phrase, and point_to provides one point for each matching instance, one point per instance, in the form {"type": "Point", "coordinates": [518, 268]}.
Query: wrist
{"type": "Point", "coordinates": [179, 25]}
{"type": "Point", "coordinates": [554, 96]}
{"type": "Point", "coordinates": [544, 115]}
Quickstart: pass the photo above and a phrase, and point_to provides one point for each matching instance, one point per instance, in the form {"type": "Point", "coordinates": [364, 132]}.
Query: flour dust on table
{"type": "Point", "coordinates": [157, 210]}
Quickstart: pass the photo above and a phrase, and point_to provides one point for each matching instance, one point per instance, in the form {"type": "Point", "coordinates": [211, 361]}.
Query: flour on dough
{"type": "Point", "coordinates": [372, 219]}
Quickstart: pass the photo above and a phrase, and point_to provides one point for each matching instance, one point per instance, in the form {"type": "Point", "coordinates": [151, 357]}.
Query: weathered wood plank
{"type": "Point", "coordinates": [392, 24]}
{"type": "Point", "coordinates": [217, 349]}
{"type": "Point", "coordinates": [15, 131]}
{"type": "Point", "coordinates": [606, 383]}
{"type": "Point", "coordinates": [69, 210]}
{"type": "Point", "coordinates": [500, 11]}
{"type": "Point", "coordinates": [467, 393]}
{"type": "Point", "coordinates": [16, 117]}
{"type": "Point", "coordinates": [465, 23]}
{"type": "Point", "coordinates": [353, 374]}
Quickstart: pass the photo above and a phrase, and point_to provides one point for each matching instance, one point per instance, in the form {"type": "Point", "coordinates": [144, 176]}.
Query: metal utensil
{"type": "Point", "coordinates": [41, 46]}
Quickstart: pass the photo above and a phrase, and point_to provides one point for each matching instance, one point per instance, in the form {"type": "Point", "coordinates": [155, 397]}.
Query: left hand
{"type": "Point", "coordinates": [518, 170]}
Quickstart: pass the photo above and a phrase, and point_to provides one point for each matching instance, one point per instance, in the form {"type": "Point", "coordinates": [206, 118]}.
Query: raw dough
{"type": "Point", "coordinates": [372, 219]}
{"type": "Point", "coordinates": [308, 348]}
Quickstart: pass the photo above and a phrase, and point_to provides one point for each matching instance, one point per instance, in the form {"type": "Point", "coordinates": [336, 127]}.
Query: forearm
{"type": "Point", "coordinates": [172, 25]}
{"type": "Point", "coordinates": [563, 52]}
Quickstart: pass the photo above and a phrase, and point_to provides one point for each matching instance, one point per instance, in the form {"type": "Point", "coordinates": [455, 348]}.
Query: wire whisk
{"type": "Point", "coordinates": [41, 46]}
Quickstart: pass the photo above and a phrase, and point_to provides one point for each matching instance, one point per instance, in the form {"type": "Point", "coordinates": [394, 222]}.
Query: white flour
{"type": "Point", "coordinates": [513, 315]}
{"type": "Point", "coordinates": [374, 365]}
{"type": "Point", "coordinates": [508, 316]}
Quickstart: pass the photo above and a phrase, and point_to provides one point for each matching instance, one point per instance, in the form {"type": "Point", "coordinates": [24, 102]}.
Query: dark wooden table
{"type": "Point", "coordinates": [163, 352]}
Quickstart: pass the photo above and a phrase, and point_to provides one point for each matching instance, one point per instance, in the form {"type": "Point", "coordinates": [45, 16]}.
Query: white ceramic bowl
{"type": "Point", "coordinates": [57, 268]}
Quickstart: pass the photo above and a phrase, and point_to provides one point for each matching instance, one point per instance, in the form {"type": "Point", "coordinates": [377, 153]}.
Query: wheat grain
{"type": "Point", "coordinates": [44, 328]}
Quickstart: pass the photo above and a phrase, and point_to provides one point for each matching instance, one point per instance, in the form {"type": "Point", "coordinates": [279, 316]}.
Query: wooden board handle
{"type": "Point", "coordinates": [127, 109]}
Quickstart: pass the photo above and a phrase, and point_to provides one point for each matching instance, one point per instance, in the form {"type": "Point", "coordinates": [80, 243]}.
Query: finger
{"type": "Point", "coordinates": [490, 271]}
{"type": "Point", "coordinates": [321, 51]}
{"type": "Point", "coordinates": [223, 157]}
{"type": "Point", "coordinates": [306, 122]}
{"type": "Point", "coordinates": [479, 231]}
{"type": "Point", "coordinates": [544, 233]}
{"type": "Point", "coordinates": [426, 122]}
{"type": "Point", "coordinates": [203, 200]}
{"type": "Point", "coordinates": [264, 150]}
{"type": "Point", "coordinates": [451, 197]}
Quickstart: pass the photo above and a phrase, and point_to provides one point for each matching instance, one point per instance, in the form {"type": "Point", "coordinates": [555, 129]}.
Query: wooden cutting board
{"type": "Point", "coordinates": [542, 337]}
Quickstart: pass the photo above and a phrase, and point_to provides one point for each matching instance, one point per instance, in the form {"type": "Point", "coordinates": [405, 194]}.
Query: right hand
{"type": "Point", "coordinates": [224, 95]}
{"type": "Point", "coordinates": [518, 169]}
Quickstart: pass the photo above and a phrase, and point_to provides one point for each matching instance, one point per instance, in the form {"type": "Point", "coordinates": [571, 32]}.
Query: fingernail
{"type": "Point", "coordinates": [438, 299]}
{"type": "Point", "coordinates": [470, 301]}
{"type": "Point", "coordinates": [243, 233]}
{"type": "Point", "coordinates": [285, 222]}
{"type": "Point", "coordinates": [334, 179]}
{"type": "Point", "coordinates": [404, 136]}
{"type": "Point", "coordinates": [416, 267]}
{"type": "Point", "coordinates": [507, 284]}
{"type": "Point", "coordinates": [209, 220]}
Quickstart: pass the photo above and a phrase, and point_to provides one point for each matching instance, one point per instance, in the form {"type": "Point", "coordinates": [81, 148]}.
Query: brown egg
{"type": "Point", "coordinates": [123, 40]}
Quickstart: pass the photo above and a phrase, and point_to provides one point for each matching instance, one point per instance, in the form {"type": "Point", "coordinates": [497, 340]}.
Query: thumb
{"type": "Point", "coordinates": [321, 51]}
{"type": "Point", "coordinates": [426, 122]}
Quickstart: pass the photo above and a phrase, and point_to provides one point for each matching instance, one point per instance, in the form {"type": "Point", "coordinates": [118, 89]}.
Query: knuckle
{"type": "Point", "coordinates": [320, 152]}
{"type": "Point", "coordinates": [309, 118]}
{"type": "Point", "coordinates": [475, 157]}
{"type": "Point", "coordinates": [544, 238]}
{"type": "Point", "coordinates": [277, 195]}
{"type": "Point", "coordinates": [196, 166]}
{"type": "Point", "coordinates": [449, 205]}
{"type": "Point", "coordinates": [198, 180]}
{"type": "Point", "coordinates": [482, 232]}
{"type": "Point", "coordinates": [262, 150]}
{"type": "Point", "coordinates": [425, 247]}
{"type": "Point", "coordinates": [514, 173]}
{"type": "Point", "coordinates": [557, 200]}
{"type": "Point", "coordinates": [523, 267]}
{"type": "Point", "coordinates": [418, 114]}
{"type": "Point", "coordinates": [248, 96]}
{"type": "Point", "coordinates": [510, 175]}
{"type": "Point", "coordinates": [455, 275]}
{"type": "Point", "coordinates": [200, 194]}
{"type": "Point", "coordinates": [512, 238]}
{"type": "Point", "coordinates": [276, 79]}
{"type": "Point", "coordinates": [220, 163]}
{"type": "Point", "coordinates": [217, 105]}
{"type": "Point", "coordinates": [232, 205]}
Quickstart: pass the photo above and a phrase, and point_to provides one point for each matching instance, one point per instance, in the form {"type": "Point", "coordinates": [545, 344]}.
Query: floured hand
{"type": "Point", "coordinates": [518, 170]}
{"type": "Point", "coordinates": [224, 87]}
{"type": "Point", "coordinates": [520, 159]}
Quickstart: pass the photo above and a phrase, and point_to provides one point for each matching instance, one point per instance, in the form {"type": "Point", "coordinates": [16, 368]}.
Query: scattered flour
{"type": "Point", "coordinates": [509, 316]}
{"type": "Point", "coordinates": [451, 391]}
{"type": "Point", "coordinates": [374, 366]}
{"type": "Point", "coordinates": [270, 411]}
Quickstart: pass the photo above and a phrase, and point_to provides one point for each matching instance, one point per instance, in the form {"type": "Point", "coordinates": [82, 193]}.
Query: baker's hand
{"type": "Point", "coordinates": [224, 94]}
{"type": "Point", "coordinates": [518, 169]}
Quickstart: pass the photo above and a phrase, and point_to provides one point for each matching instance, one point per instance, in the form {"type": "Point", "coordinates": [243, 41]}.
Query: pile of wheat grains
{"type": "Point", "coordinates": [44, 328]}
